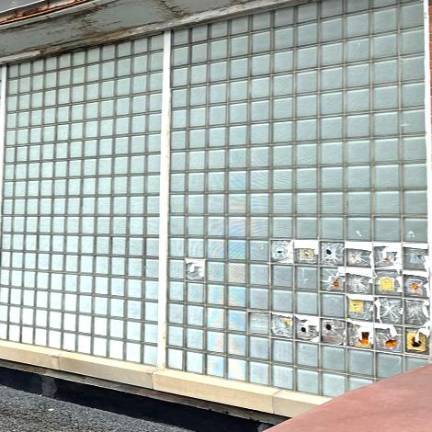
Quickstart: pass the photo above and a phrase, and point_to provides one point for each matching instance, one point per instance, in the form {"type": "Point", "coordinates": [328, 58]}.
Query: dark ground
{"type": "Point", "coordinates": [26, 412]}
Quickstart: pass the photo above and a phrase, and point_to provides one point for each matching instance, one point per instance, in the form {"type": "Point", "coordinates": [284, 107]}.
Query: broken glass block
{"type": "Point", "coordinates": [389, 310]}
{"type": "Point", "coordinates": [416, 286]}
{"type": "Point", "coordinates": [360, 336]}
{"type": "Point", "coordinates": [360, 308]}
{"type": "Point", "coordinates": [282, 325]}
{"type": "Point", "coordinates": [358, 257]}
{"type": "Point", "coordinates": [281, 251]}
{"type": "Point", "coordinates": [386, 256]}
{"type": "Point", "coordinates": [333, 331]}
{"type": "Point", "coordinates": [195, 269]}
{"type": "Point", "coordinates": [358, 284]}
{"type": "Point", "coordinates": [388, 340]}
{"type": "Point", "coordinates": [416, 312]}
{"type": "Point", "coordinates": [415, 258]}
{"type": "Point", "coordinates": [305, 256]}
{"type": "Point", "coordinates": [387, 282]}
{"type": "Point", "coordinates": [332, 253]}
{"type": "Point", "coordinates": [331, 280]}
{"type": "Point", "coordinates": [307, 329]}
{"type": "Point", "coordinates": [258, 322]}
{"type": "Point", "coordinates": [416, 341]}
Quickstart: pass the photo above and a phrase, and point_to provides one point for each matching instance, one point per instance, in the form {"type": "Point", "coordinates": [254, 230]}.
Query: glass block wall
{"type": "Point", "coordinates": [298, 229]}
{"type": "Point", "coordinates": [80, 201]}
{"type": "Point", "coordinates": [298, 250]}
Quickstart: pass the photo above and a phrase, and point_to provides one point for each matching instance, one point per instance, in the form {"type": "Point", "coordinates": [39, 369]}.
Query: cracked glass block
{"type": "Point", "coordinates": [388, 339]}
{"type": "Point", "coordinates": [416, 286]}
{"type": "Point", "coordinates": [358, 284]}
{"type": "Point", "coordinates": [305, 256]}
{"type": "Point", "coordinates": [416, 342]}
{"type": "Point", "coordinates": [258, 322]}
{"type": "Point", "coordinates": [387, 282]}
{"type": "Point", "coordinates": [360, 309]}
{"type": "Point", "coordinates": [281, 251]}
{"type": "Point", "coordinates": [416, 312]}
{"type": "Point", "coordinates": [360, 336]}
{"type": "Point", "coordinates": [333, 331]}
{"type": "Point", "coordinates": [358, 257]}
{"type": "Point", "coordinates": [282, 325]}
{"type": "Point", "coordinates": [415, 258]}
{"type": "Point", "coordinates": [307, 329]}
{"type": "Point", "coordinates": [331, 280]}
{"type": "Point", "coordinates": [385, 257]}
{"type": "Point", "coordinates": [195, 269]}
{"type": "Point", "coordinates": [332, 253]}
{"type": "Point", "coordinates": [389, 310]}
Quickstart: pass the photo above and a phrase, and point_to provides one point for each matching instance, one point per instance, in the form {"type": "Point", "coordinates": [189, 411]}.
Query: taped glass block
{"type": "Point", "coordinates": [416, 286]}
{"type": "Point", "coordinates": [417, 341]}
{"type": "Point", "coordinates": [282, 325]}
{"type": "Point", "coordinates": [388, 339]}
{"type": "Point", "coordinates": [259, 322]}
{"type": "Point", "coordinates": [195, 269]}
{"type": "Point", "coordinates": [358, 257]}
{"type": "Point", "coordinates": [387, 256]}
{"type": "Point", "coordinates": [360, 307]}
{"type": "Point", "coordinates": [358, 284]}
{"type": "Point", "coordinates": [388, 282]}
{"type": "Point", "coordinates": [416, 312]}
{"type": "Point", "coordinates": [332, 280]}
{"type": "Point", "coordinates": [281, 251]}
{"type": "Point", "coordinates": [306, 251]}
{"type": "Point", "coordinates": [389, 310]}
{"type": "Point", "coordinates": [415, 258]}
{"type": "Point", "coordinates": [360, 335]}
{"type": "Point", "coordinates": [307, 328]}
{"type": "Point", "coordinates": [332, 253]}
{"type": "Point", "coordinates": [333, 331]}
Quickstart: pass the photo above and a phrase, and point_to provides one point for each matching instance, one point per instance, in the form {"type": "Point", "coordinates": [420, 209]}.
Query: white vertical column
{"type": "Point", "coordinates": [164, 201]}
{"type": "Point", "coordinates": [3, 87]}
{"type": "Point", "coordinates": [428, 138]}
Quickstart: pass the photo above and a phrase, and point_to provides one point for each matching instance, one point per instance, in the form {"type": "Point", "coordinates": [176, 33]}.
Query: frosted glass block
{"type": "Point", "coordinates": [236, 296]}
{"type": "Point", "coordinates": [307, 381]}
{"type": "Point", "coordinates": [388, 365]}
{"type": "Point", "coordinates": [215, 365]}
{"type": "Point", "coordinates": [237, 320]}
{"type": "Point", "coordinates": [333, 385]}
{"type": "Point", "coordinates": [259, 373]}
{"type": "Point", "coordinates": [259, 348]}
{"type": "Point", "coordinates": [307, 354]}
{"type": "Point", "coordinates": [194, 362]}
{"type": "Point", "coordinates": [361, 362]}
{"type": "Point", "coordinates": [236, 369]}
{"type": "Point", "coordinates": [411, 15]}
{"type": "Point", "coordinates": [333, 358]}
{"type": "Point", "coordinates": [307, 303]}
{"type": "Point", "coordinates": [415, 230]}
{"type": "Point", "coordinates": [236, 344]}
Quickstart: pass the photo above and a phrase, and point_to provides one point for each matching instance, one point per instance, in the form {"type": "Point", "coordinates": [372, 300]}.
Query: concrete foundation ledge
{"type": "Point", "coordinates": [218, 390]}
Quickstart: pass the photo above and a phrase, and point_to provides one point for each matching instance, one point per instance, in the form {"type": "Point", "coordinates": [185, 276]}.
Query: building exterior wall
{"type": "Point", "coordinates": [298, 171]}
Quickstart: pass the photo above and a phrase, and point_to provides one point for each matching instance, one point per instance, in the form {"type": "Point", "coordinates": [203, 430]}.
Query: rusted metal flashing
{"type": "Point", "coordinates": [41, 8]}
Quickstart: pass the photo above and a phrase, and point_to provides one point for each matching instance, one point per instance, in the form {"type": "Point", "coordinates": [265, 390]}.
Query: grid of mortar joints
{"type": "Point", "coordinates": [81, 201]}
{"type": "Point", "coordinates": [279, 130]}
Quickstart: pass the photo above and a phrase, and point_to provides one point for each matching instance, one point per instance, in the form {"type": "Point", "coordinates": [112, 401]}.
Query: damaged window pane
{"type": "Point", "coordinates": [332, 253]}
{"type": "Point", "coordinates": [307, 329]}
{"type": "Point", "coordinates": [358, 257]}
{"type": "Point", "coordinates": [282, 325]}
{"type": "Point", "coordinates": [388, 339]}
{"type": "Point", "coordinates": [416, 286]}
{"type": "Point", "coordinates": [415, 258]}
{"type": "Point", "coordinates": [258, 322]}
{"type": "Point", "coordinates": [331, 280]}
{"type": "Point", "coordinates": [416, 341]}
{"type": "Point", "coordinates": [358, 284]}
{"type": "Point", "coordinates": [416, 312]}
{"type": "Point", "coordinates": [360, 336]}
{"type": "Point", "coordinates": [360, 308]}
{"type": "Point", "coordinates": [386, 256]}
{"type": "Point", "coordinates": [195, 269]}
{"type": "Point", "coordinates": [305, 256]}
{"type": "Point", "coordinates": [387, 282]}
{"type": "Point", "coordinates": [281, 251]}
{"type": "Point", "coordinates": [333, 331]}
{"type": "Point", "coordinates": [389, 311]}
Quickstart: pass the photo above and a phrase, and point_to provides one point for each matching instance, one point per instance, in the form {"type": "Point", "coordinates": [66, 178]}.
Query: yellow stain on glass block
{"type": "Point", "coordinates": [387, 284]}
{"type": "Point", "coordinates": [356, 306]}
{"type": "Point", "coordinates": [416, 342]}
